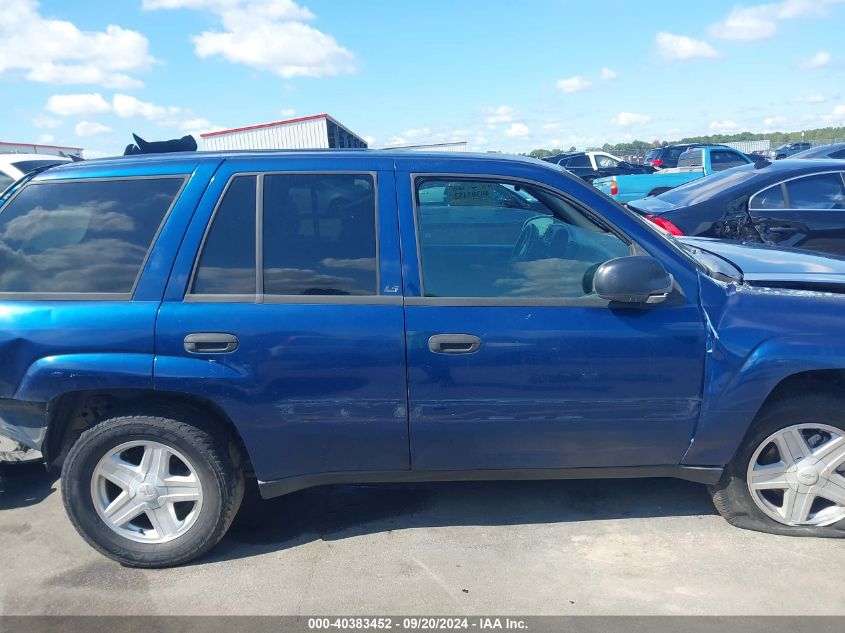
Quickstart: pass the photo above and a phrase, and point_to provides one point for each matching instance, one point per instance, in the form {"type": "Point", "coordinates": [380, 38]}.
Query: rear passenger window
{"type": "Point", "coordinates": [227, 263]}
{"type": "Point", "coordinates": [479, 243]}
{"type": "Point", "coordinates": [823, 191]}
{"type": "Point", "coordinates": [319, 234]}
{"type": "Point", "coordinates": [771, 198]}
{"type": "Point", "coordinates": [87, 237]}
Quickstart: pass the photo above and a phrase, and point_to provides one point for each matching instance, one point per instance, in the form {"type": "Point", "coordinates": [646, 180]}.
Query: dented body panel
{"type": "Point", "coordinates": [334, 388]}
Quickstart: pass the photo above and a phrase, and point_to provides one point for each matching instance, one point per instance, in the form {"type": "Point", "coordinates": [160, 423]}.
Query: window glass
{"type": "Point", "coordinates": [720, 160]}
{"type": "Point", "coordinates": [320, 234]}
{"type": "Point", "coordinates": [473, 246]}
{"type": "Point", "coordinates": [822, 191]}
{"type": "Point", "coordinates": [227, 262]}
{"type": "Point", "coordinates": [81, 237]}
{"type": "Point", "coordinates": [771, 198]}
{"type": "Point", "coordinates": [579, 161]}
{"type": "Point", "coordinates": [605, 162]}
{"type": "Point", "coordinates": [5, 181]}
{"type": "Point", "coordinates": [691, 158]}
{"type": "Point", "coordinates": [838, 154]}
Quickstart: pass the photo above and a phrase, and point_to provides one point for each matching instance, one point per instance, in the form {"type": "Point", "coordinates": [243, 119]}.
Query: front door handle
{"type": "Point", "coordinates": [211, 343]}
{"type": "Point", "coordinates": [454, 343]}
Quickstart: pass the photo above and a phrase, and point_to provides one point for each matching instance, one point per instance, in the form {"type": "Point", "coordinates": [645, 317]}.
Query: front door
{"type": "Point", "coordinates": [513, 362]}
{"type": "Point", "coordinates": [285, 311]}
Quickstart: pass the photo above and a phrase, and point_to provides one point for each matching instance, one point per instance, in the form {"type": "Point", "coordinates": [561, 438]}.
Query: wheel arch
{"type": "Point", "coordinates": [70, 413]}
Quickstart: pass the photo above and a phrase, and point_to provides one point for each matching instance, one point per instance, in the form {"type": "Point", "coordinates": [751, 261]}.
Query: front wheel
{"type": "Point", "coordinates": [789, 476]}
{"type": "Point", "coordinates": [152, 491]}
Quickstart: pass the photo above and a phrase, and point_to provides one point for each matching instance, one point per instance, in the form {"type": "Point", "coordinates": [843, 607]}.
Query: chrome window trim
{"type": "Point", "coordinates": [786, 201]}
{"type": "Point", "coordinates": [99, 296]}
{"type": "Point", "coordinates": [260, 296]}
{"type": "Point", "coordinates": [502, 301]}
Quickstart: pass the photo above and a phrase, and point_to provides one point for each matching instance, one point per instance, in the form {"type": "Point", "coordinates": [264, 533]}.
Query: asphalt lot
{"type": "Point", "coordinates": [651, 546]}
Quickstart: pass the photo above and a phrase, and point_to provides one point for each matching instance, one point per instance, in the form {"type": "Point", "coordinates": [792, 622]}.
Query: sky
{"type": "Point", "coordinates": [501, 75]}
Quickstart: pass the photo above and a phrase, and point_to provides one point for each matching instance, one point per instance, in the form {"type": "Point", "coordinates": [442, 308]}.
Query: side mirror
{"type": "Point", "coordinates": [634, 279]}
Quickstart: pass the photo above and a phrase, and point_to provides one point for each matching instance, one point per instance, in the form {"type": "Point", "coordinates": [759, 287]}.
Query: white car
{"type": "Point", "coordinates": [14, 166]}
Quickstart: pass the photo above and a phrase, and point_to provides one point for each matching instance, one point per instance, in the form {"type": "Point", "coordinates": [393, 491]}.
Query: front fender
{"type": "Point", "coordinates": [757, 340]}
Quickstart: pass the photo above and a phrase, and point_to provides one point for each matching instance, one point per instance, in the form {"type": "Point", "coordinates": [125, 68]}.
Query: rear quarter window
{"type": "Point", "coordinates": [89, 237]}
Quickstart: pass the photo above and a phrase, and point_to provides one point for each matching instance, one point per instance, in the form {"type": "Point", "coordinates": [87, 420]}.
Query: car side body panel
{"type": "Point", "coordinates": [750, 353]}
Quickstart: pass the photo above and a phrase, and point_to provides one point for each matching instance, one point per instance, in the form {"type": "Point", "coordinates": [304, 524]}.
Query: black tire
{"type": "Point", "coordinates": [731, 495]}
{"type": "Point", "coordinates": [210, 450]}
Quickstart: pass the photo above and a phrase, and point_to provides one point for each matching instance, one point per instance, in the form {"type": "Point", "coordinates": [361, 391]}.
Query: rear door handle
{"type": "Point", "coordinates": [454, 343]}
{"type": "Point", "coordinates": [211, 343]}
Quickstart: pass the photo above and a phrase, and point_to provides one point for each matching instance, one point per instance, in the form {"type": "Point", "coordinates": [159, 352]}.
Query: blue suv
{"type": "Point", "coordinates": [173, 326]}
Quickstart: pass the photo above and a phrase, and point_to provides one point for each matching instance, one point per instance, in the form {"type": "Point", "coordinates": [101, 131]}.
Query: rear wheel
{"type": "Point", "coordinates": [789, 475]}
{"type": "Point", "coordinates": [152, 491]}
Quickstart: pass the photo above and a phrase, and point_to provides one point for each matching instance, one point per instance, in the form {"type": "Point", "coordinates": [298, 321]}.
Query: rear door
{"type": "Point", "coordinates": [806, 212]}
{"type": "Point", "coordinates": [513, 362]}
{"type": "Point", "coordinates": [285, 310]}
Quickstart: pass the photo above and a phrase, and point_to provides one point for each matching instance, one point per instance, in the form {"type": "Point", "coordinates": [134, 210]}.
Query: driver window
{"type": "Point", "coordinates": [487, 238]}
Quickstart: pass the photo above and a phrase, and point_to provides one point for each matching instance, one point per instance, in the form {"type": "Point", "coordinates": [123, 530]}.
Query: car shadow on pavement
{"type": "Point", "coordinates": [343, 511]}
{"type": "Point", "coordinates": [23, 485]}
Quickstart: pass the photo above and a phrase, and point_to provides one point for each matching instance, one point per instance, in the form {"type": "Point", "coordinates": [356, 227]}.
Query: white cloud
{"type": "Point", "coordinates": [774, 121]}
{"type": "Point", "coordinates": [553, 126]}
{"type": "Point", "coordinates": [270, 36]}
{"type": "Point", "coordinates": [287, 112]}
{"type": "Point", "coordinates": [573, 84]}
{"type": "Point", "coordinates": [91, 128]}
{"type": "Point", "coordinates": [837, 116]}
{"type": "Point", "coordinates": [58, 52]}
{"type": "Point", "coordinates": [678, 47]}
{"type": "Point", "coordinates": [501, 114]}
{"type": "Point", "coordinates": [46, 122]}
{"type": "Point", "coordinates": [128, 107]}
{"type": "Point", "coordinates": [197, 126]}
{"type": "Point", "coordinates": [723, 126]}
{"type": "Point", "coordinates": [625, 119]}
{"type": "Point", "coordinates": [369, 140]}
{"type": "Point", "coordinates": [811, 99]}
{"type": "Point", "coordinates": [517, 130]}
{"type": "Point", "coordinates": [608, 74]}
{"type": "Point", "coordinates": [819, 60]}
{"type": "Point", "coordinates": [761, 21]}
{"type": "Point", "coordinates": [47, 138]}
{"type": "Point", "coordinates": [64, 74]}
{"type": "Point", "coordinates": [78, 104]}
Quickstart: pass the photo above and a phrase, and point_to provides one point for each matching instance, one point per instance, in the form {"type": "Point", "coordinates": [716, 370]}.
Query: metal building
{"type": "Point", "coordinates": [39, 148]}
{"type": "Point", "coordinates": [457, 146]}
{"type": "Point", "coordinates": [311, 132]}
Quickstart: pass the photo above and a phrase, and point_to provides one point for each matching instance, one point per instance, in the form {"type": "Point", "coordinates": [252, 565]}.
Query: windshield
{"type": "Point", "coordinates": [703, 189]}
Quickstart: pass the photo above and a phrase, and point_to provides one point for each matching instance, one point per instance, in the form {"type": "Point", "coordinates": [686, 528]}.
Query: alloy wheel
{"type": "Point", "coordinates": [797, 475]}
{"type": "Point", "coordinates": [146, 492]}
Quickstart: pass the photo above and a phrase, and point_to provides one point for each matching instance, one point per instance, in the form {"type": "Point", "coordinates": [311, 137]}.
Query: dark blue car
{"type": "Point", "coordinates": [172, 326]}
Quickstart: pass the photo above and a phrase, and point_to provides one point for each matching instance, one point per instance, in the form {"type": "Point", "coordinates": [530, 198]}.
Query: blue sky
{"type": "Point", "coordinates": [498, 74]}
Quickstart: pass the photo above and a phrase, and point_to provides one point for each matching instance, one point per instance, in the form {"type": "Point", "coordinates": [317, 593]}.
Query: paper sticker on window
{"type": "Point", "coordinates": [471, 194]}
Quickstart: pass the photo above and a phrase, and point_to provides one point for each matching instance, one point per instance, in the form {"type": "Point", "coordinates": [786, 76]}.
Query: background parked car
{"type": "Point", "coordinates": [834, 150]}
{"type": "Point", "coordinates": [667, 157]}
{"type": "Point", "coordinates": [794, 203]}
{"type": "Point", "coordinates": [693, 164]}
{"type": "Point", "coordinates": [14, 166]}
{"type": "Point", "coordinates": [591, 165]}
{"type": "Point", "coordinates": [788, 149]}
